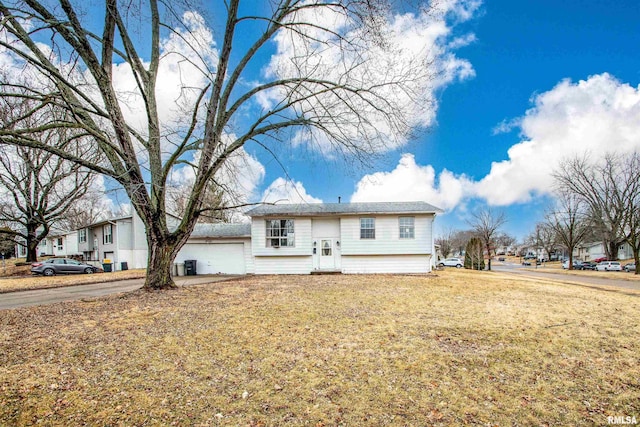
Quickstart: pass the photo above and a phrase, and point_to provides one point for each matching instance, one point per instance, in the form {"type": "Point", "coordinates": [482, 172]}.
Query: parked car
{"type": "Point", "coordinates": [599, 260]}
{"type": "Point", "coordinates": [54, 266]}
{"type": "Point", "coordinates": [577, 265]}
{"type": "Point", "coordinates": [588, 266]}
{"type": "Point", "coordinates": [451, 262]}
{"type": "Point", "coordinates": [609, 266]}
{"type": "Point", "coordinates": [629, 267]}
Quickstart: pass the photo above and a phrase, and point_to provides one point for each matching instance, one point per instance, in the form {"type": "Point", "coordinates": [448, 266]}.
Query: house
{"type": "Point", "coordinates": [57, 243]}
{"type": "Point", "coordinates": [219, 249]}
{"type": "Point", "coordinates": [343, 237]}
{"type": "Point", "coordinates": [286, 239]}
{"type": "Point", "coordinates": [119, 240]}
{"type": "Point", "coordinates": [594, 250]}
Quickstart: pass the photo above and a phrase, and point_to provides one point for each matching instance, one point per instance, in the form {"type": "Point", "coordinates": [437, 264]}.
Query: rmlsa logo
{"type": "Point", "coordinates": [622, 420]}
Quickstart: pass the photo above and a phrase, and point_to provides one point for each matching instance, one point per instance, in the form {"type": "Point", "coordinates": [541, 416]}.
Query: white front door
{"type": "Point", "coordinates": [327, 254]}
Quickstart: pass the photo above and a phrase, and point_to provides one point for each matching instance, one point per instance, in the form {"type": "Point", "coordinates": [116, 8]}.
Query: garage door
{"type": "Point", "coordinates": [215, 258]}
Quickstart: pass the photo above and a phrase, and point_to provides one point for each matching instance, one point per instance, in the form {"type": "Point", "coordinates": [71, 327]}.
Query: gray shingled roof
{"type": "Point", "coordinates": [219, 231]}
{"type": "Point", "coordinates": [322, 209]}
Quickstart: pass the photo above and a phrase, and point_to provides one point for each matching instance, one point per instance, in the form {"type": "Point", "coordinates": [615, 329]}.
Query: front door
{"type": "Point", "coordinates": [327, 255]}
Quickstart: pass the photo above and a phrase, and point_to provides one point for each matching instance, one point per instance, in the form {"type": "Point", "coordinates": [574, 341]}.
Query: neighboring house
{"type": "Point", "coordinates": [594, 250]}
{"type": "Point", "coordinates": [343, 237]}
{"type": "Point", "coordinates": [57, 243]}
{"type": "Point", "coordinates": [63, 243]}
{"type": "Point", "coordinates": [119, 240]}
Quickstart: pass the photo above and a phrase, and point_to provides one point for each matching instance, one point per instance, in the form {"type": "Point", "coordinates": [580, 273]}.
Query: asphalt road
{"type": "Point", "coordinates": [615, 281]}
{"type": "Point", "coordinates": [71, 293]}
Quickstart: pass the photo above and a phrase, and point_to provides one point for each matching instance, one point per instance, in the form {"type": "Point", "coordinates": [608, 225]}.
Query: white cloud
{"type": "Point", "coordinates": [595, 115]}
{"type": "Point", "coordinates": [418, 51]}
{"type": "Point", "coordinates": [286, 191]}
{"type": "Point", "coordinates": [412, 182]}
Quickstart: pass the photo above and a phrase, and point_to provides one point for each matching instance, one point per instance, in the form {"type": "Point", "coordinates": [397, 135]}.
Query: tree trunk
{"type": "Point", "coordinates": [159, 265]}
{"type": "Point", "coordinates": [32, 243]}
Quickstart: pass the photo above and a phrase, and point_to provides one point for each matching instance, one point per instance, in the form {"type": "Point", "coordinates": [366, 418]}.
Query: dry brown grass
{"type": "Point", "coordinates": [40, 282]}
{"type": "Point", "coordinates": [454, 349]}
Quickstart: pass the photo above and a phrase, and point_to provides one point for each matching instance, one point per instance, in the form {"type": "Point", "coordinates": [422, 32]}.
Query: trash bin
{"type": "Point", "coordinates": [180, 269]}
{"type": "Point", "coordinates": [107, 267]}
{"type": "Point", "coordinates": [190, 267]}
{"type": "Point", "coordinates": [124, 266]}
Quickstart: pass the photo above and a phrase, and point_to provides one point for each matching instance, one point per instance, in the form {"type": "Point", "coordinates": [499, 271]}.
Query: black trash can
{"type": "Point", "coordinates": [190, 267]}
{"type": "Point", "coordinates": [124, 266]}
{"type": "Point", "coordinates": [107, 267]}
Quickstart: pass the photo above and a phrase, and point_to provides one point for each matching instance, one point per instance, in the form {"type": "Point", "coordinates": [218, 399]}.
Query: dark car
{"type": "Point", "coordinates": [587, 266]}
{"type": "Point", "coordinates": [54, 266]}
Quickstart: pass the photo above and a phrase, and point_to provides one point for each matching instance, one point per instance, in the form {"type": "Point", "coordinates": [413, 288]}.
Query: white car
{"type": "Point", "coordinates": [609, 266]}
{"type": "Point", "coordinates": [451, 262]}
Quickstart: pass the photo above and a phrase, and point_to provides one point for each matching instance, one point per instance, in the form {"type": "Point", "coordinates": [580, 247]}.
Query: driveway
{"type": "Point", "coordinates": [78, 292]}
{"type": "Point", "coordinates": [584, 280]}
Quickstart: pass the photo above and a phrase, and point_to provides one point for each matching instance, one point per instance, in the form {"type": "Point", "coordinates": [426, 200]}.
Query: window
{"type": "Point", "coordinates": [60, 245]}
{"type": "Point", "coordinates": [407, 227]}
{"type": "Point", "coordinates": [82, 235]}
{"type": "Point", "coordinates": [280, 232]}
{"type": "Point", "coordinates": [107, 233]}
{"type": "Point", "coordinates": [367, 228]}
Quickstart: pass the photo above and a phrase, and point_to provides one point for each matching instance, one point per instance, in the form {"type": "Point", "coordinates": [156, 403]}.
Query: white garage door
{"type": "Point", "coordinates": [214, 258]}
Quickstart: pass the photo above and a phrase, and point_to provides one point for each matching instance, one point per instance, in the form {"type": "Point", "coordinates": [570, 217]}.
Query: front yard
{"type": "Point", "coordinates": [454, 348]}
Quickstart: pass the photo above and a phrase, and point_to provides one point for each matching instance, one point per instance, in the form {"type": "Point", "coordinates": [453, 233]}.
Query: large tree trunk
{"type": "Point", "coordinates": [159, 265]}
{"type": "Point", "coordinates": [32, 243]}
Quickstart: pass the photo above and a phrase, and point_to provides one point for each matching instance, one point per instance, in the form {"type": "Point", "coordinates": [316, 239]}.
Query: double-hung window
{"type": "Point", "coordinates": [60, 244]}
{"type": "Point", "coordinates": [280, 232]}
{"type": "Point", "coordinates": [367, 228]}
{"type": "Point", "coordinates": [108, 233]}
{"type": "Point", "coordinates": [82, 235]}
{"type": "Point", "coordinates": [407, 227]}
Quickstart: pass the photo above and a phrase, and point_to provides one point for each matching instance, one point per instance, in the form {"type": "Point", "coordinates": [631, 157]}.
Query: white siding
{"type": "Point", "coordinates": [325, 227]}
{"type": "Point", "coordinates": [219, 257]}
{"type": "Point", "coordinates": [387, 236]}
{"type": "Point", "coordinates": [135, 258]}
{"type": "Point", "coordinates": [386, 264]}
{"type": "Point", "coordinates": [303, 241]}
{"type": "Point", "coordinates": [283, 265]}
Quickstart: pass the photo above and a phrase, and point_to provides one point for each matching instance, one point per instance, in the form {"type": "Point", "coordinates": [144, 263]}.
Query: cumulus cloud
{"type": "Point", "coordinates": [412, 182]}
{"type": "Point", "coordinates": [286, 191]}
{"type": "Point", "coordinates": [401, 75]}
{"type": "Point", "coordinates": [595, 115]}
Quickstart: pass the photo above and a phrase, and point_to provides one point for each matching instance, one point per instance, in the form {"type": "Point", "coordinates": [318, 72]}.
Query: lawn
{"type": "Point", "coordinates": [454, 348]}
{"type": "Point", "coordinates": [24, 283]}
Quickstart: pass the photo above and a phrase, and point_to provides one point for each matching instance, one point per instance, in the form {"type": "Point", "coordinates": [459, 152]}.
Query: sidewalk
{"type": "Point", "coordinates": [79, 292]}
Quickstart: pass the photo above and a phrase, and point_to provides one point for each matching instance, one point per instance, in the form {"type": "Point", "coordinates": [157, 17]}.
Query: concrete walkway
{"type": "Point", "coordinates": [78, 292]}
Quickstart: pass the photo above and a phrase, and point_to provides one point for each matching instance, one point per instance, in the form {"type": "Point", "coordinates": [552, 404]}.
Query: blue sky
{"type": "Point", "coordinates": [520, 51]}
{"type": "Point", "coordinates": [525, 85]}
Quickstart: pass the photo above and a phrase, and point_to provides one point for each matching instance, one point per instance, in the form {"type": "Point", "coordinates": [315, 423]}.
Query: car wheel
{"type": "Point", "coordinates": [441, 264]}
{"type": "Point", "coordinates": [48, 272]}
{"type": "Point", "coordinates": [459, 266]}
{"type": "Point", "coordinates": [88, 270]}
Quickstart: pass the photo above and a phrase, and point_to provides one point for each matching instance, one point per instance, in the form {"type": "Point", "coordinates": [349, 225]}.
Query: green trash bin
{"type": "Point", "coordinates": [107, 267]}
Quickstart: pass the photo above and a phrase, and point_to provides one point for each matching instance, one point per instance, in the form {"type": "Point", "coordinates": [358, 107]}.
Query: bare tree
{"type": "Point", "coordinates": [446, 242]}
{"type": "Point", "coordinates": [544, 237]}
{"type": "Point", "coordinates": [351, 105]}
{"type": "Point", "coordinates": [37, 187]}
{"type": "Point", "coordinates": [569, 220]}
{"type": "Point", "coordinates": [603, 184]}
{"type": "Point", "coordinates": [630, 166]}
{"type": "Point", "coordinates": [486, 224]}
